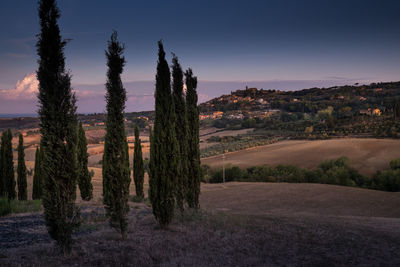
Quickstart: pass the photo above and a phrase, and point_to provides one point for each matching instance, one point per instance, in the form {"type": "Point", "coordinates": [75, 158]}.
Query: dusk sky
{"type": "Point", "coordinates": [278, 44]}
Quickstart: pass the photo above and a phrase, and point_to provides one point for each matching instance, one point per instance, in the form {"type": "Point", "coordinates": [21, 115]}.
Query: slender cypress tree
{"type": "Point", "coordinates": [58, 123]}
{"type": "Point", "coordinates": [37, 177]}
{"type": "Point", "coordinates": [21, 171]}
{"type": "Point", "coordinates": [193, 191]}
{"type": "Point", "coordinates": [138, 167]}
{"type": "Point", "coordinates": [2, 180]}
{"type": "Point", "coordinates": [165, 165]}
{"type": "Point", "coordinates": [84, 178]}
{"type": "Point", "coordinates": [116, 172]}
{"type": "Point", "coordinates": [152, 191]}
{"type": "Point", "coordinates": [8, 165]}
{"type": "Point", "coordinates": [182, 132]}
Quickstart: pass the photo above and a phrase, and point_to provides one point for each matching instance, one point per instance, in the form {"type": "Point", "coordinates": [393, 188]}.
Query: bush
{"type": "Point", "coordinates": [5, 207]}
{"type": "Point", "coordinates": [388, 180]}
{"type": "Point", "coordinates": [231, 174]}
{"type": "Point", "coordinates": [205, 173]}
{"type": "Point", "coordinates": [395, 164]}
{"type": "Point", "coordinates": [288, 173]}
{"type": "Point", "coordinates": [336, 172]}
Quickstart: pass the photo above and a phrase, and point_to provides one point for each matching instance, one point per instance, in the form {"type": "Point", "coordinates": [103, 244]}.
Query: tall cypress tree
{"type": "Point", "coordinates": [84, 177]}
{"type": "Point", "coordinates": [138, 166]}
{"type": "Point", "coordinates": [193, 191]}
{"type": "Point", "coordinates": [37, 177]}
{"type": "Point", "coordinates": [182, 131]}
{"type": "Point", "coordinates": [58, 123]}
{"type": "Point", "coordinates": [152, 191]}
{"type": "Point", "coordinates": [2, 180]}
{"type": "Point", "coordinates": [116, 172]}
{"type": "Point", "coordinates": [8, 165]}
{"type": "Point", "coordinates": [21, 171]}
{"type": "Point", "coordinates": [165, 164]}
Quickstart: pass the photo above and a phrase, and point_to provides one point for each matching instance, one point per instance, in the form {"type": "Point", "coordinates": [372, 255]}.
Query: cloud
{"type": "Point", "coordinates": [25, 89]}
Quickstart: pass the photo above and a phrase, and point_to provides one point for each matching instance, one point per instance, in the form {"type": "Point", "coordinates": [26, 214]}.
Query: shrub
{"type": "Point", "coordinates": [5, 207]}
{"type": "Point", "coordinates": [395, 164]}
{"type": "Point", "coordinates": [388, 180]}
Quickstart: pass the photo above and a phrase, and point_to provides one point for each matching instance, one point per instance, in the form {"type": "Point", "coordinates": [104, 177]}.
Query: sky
{"type": "Point", "coordinates": [274, 44]}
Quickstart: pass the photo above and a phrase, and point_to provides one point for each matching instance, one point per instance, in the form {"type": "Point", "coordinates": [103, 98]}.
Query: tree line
{"type": "Point", "coordinates": [61, 160]}
{"type": "Point", "coordinates": [8, 185]}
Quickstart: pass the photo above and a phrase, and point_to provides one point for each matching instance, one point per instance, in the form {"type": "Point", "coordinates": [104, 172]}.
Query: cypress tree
{"type": "Point", "coordinates": [165, 165]}
{"type": "Point", "coordinates": [21, 171]}
{"type": "Point", "coordinates": [138, 167]}
{"type": "Point", "coordinates": [182, 132]}
{"type": "Point", "coordinates": [37, 178]}
{"type": "Point", "coordinates": [116, 172]}
{"type": "Point", "coordinates": [8, 165]}
{"type": "Point", "coordinates": [58, 121]}
{"type": "Point", "coordinates": [152, 181]}
{"type": "Point", "coordinates": [2, 181]}
{"type": "Point", "coordinates": [84, 177]}
{"type": "Point", "coordinates": [193, 191]}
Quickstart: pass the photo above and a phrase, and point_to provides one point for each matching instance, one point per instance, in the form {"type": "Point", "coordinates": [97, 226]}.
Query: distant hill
{"type": "Point", "coordinates": [356, 97]}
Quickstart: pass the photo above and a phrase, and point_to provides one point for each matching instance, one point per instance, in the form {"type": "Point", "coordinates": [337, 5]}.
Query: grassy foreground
{"type": "Point", "coordinates": [16, 206]}
{"type": "Point", "coordinates": [240, 224]}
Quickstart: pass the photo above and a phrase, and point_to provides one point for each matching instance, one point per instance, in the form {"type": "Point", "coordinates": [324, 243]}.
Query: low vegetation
{"type": "Point", "coordinates": [15, 206]}
{"type": "Point", "coordinates": [235, 143]}
{"type": "Point", "coordinates": [337, 172]}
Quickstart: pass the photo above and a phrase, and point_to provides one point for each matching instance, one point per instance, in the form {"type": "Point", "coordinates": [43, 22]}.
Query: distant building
{"type": "Point", "coordinates": [370, 112]}
{"type": "Point", "coordinates": [376, 112]}
{"type": "Point", "coordinates": [236, 116]}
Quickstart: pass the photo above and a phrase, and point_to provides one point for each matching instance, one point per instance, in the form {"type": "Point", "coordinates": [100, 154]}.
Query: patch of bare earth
{"type": "Point", "coordinates": [366, 155]}
{"type": "Point", "coordinates": [240, 224]}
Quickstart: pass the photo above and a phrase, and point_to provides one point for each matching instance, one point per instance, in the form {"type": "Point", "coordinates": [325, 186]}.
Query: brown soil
{"type": "Point", "coordinates": [366, 155]}
{"type": "Point", "coordinates": [240, 224]}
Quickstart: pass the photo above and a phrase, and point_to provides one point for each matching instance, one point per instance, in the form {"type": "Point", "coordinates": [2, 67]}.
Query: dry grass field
{"type": "Point", "coordinates": [366, 155]}
{"type": "Point", "coordinates": [240, 224]}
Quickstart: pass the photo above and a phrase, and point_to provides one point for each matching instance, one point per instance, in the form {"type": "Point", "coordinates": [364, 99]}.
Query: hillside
{"type": "Point", "coordinates": [366, 155]}
{"type": "Point", "coordinates": [375, 95]}
{"type": "Point", "coordinates": [245, 224]}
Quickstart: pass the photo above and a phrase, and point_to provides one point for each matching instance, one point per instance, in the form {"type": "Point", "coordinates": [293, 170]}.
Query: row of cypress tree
{"type": "Point", "coordinates": [174, 165]}
{"type": "Point", "coordinates": [7, 179]}
{"type": "Point", "coordinates": [7, 182]}
{"type": "Point", "coordinates": [84, 176]}
{"type": "Point", "coordinates": [174, 176]}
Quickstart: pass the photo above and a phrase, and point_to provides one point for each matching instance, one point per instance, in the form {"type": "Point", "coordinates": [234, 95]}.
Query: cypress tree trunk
{"type": "Point", "coordinates": [182, 132]}
{"type": "Point", "coordinates": [21, 170]}
{"type": "Point", "coordinates": [8, 166]}
{"type": "Point", "coordinates": [58, 128]}
{"type": "Point", "coordinates": [165, 166]}
{"type": "Point", "coordinates": [84, 178]}
{"type": "Point", "coordinates": [138, 167]}
{"type": "Point", "coordinates": [116, 172]}
{"type": "Point", "coordinates": [37, 178]}
{"type": "Point", "coordinates": [2, 180]}
{"type": "Point", "coordinates": [194, 141]}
